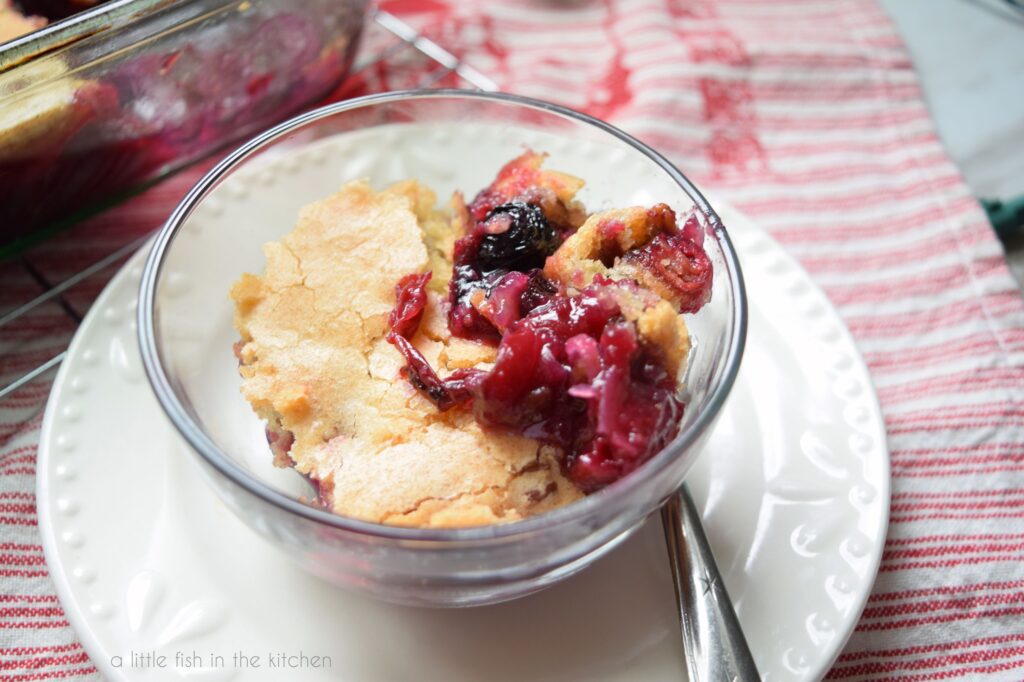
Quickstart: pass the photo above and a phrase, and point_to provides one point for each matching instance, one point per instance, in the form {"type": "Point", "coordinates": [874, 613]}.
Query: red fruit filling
{"type": "Point", "coordinates": [494, 265]}
{"type": "Point", "coordinates": [681, 264]}
{"type": "Point", "coordinates": [570, 370]}
{"type": "Point", "coordinates": [411, 297]}
{"type": "Point", "coordinates": [410, 301]}
{"type": "Point", "coordinates": [572, 373]}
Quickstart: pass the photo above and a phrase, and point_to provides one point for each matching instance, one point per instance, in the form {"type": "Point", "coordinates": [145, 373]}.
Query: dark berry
{"type": "Point", "coordinates": [517, 236]}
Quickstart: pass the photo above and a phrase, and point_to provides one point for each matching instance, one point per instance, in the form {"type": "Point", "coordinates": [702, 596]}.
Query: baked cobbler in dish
{"type": "Point", "coordinates": [477, 364]}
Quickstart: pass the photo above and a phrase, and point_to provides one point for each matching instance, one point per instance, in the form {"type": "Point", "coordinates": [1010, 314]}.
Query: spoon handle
{"type": "Point", "coordinates": [713, 640]}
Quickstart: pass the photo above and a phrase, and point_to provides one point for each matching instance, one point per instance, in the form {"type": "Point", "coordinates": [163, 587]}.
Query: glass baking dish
{"type": "Point", "coordinates": [101, 104]}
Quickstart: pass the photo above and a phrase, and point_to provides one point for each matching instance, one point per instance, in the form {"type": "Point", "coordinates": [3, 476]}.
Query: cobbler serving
{"type": "Point", "coordinates": [478, 364]}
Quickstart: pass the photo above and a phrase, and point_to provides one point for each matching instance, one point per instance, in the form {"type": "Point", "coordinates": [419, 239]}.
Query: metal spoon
{"type": "Point", "coordinates": [713, 640]}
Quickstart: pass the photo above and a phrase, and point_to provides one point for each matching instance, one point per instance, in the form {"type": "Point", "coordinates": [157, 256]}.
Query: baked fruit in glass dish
{"type": "Point", "coordinates": [531, 355]}
{"type": "Point", "coordinates": [104, 113]}
{"type": "Point", "coordinates": [466, 401]}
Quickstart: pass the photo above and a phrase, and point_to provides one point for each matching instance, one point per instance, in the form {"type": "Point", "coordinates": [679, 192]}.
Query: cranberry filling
{"type": "Point", "coordinates": [570, 370]}
{"type": "Point", "coordinates": [680, 263]}
{"type": "Point", "coordinates": [573, 374]}
{"type": "Point", "coordinates": [411, 297]}
{"type": "Point", "coordinates": [632, 408]}
{"type": "Point", "coordinates": [490, 261]}
{"type": "Point", "coordinates": [410, 302]}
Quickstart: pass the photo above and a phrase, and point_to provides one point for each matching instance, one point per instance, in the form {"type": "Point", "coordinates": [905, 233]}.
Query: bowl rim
{"type": "Point", "coordinates": [200, 442]}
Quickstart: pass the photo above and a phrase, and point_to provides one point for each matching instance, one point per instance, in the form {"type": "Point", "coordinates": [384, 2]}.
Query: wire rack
{"type": "Point", "coordinates": [389, 45]}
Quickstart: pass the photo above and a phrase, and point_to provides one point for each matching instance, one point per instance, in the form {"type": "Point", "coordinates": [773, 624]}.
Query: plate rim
{"type": "Point", "coordinates": [877, 417]}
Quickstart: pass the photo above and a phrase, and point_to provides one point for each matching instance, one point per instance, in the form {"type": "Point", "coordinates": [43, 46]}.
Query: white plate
{"type": "Point", "coordinates": [794, 488]}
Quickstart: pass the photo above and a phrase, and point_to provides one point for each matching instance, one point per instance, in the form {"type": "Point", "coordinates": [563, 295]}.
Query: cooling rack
{"type": "Point", "coordinates": [393, 56]}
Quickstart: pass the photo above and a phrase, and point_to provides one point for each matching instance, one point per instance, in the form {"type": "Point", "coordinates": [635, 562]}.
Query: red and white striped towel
{"type": "Point", "coordinates": [807, 115]}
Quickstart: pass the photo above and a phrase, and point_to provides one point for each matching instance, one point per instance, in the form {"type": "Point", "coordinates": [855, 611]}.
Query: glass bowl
{"type": "Point", "coordinates": [104, 103]}
{"type": "Point", "coordinates": [447, 139]}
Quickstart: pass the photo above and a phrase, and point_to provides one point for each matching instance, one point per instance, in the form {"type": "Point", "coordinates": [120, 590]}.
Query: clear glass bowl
{"type": "Point", "coordinates": [447, 139]}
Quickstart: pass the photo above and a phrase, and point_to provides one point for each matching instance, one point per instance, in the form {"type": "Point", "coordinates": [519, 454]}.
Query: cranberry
{"type": "Point", "coordinates": [464, 320]}
{"type": "Point", "coordinates": [502, 305]}
{"type": "Point", "coordinates": [539, 290]}
{"type": "Point", "coordinates": [411, 300]}
{"type": "Point", "coordinates": [411, 297]}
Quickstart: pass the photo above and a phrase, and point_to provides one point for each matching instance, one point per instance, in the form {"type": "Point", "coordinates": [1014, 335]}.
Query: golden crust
{"type": "Point", "coordinates": [661, 327]}
{"type": "Point", "coordinates": [43, 114]}
{"type": "Point", "coordinates": [600, 241]}
{"type": "Point", "coordinates": [315, 361]}
{"type": "Point", "coordinates": [596, 249]}
{"type": "Point", "coordinates": [436, 228]}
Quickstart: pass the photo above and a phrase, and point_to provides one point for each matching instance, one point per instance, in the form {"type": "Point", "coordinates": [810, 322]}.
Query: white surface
{"type": "Point", "coordinates": [794, 488]}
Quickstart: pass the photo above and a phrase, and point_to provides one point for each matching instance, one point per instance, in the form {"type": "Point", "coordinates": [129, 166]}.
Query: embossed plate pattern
{"type": "Point", "coordinates": [794, 489]}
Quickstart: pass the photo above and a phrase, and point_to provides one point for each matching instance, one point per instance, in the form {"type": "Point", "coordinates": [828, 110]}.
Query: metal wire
{"type": "Point", "coordinates": [408, 38]}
